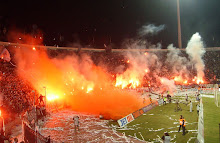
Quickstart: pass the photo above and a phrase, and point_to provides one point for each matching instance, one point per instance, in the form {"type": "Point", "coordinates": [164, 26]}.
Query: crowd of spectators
{"type": "Point", "coordinates": [17, 98]}
{"type": "Point", "coordinates": [16, 93]}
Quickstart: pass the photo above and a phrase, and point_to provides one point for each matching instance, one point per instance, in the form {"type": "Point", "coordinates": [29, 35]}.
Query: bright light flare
{"type": "Point", "coordinates": [178, 79]}
{"type": "Point", "coordinates": [146, 70]}
{"type": "Point", "coordinates": [199, 81]}
{"type": "Point", "coordinates": [89, 89]}
{"type": "Point", "coordinates": [175, 79]}
{"type": "Point", "coordinates": [129, 83]}
{"type": "Point", "coordinates": [34, 49]}
{"type": "Point", "coordinates": [51, 97]}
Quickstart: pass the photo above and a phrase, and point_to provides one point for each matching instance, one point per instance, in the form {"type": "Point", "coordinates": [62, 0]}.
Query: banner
{"type": "Point", "coordinates": [129, 118]}
{"type": "Point", "coordinates": [138, 113]}
{"type": "Point", "coordinates": [147, 108]}
{"type": "Point", "coordinates": [124, 121]}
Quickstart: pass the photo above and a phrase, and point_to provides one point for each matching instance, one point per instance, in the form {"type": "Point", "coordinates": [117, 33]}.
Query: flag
{"type": "Point", "coordinates": [5, 55]}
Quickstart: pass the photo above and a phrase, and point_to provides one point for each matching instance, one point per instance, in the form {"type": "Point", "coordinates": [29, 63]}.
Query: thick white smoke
{"type": "Point", "coordinates": [165, 69]}
{"type": "Point", "coordinates": [178, 64]}
{"type": "Point", "coordinates": [195, 49]}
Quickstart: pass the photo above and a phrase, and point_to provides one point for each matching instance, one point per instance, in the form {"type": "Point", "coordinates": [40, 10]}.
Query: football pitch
{"type": "Point", "coordinates": [151, 126]}
{"type": "Point", "coordinates": [211, 120]}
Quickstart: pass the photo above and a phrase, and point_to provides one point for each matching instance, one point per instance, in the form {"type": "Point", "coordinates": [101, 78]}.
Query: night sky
{"type": "Point", "coordinates": [95, 22]}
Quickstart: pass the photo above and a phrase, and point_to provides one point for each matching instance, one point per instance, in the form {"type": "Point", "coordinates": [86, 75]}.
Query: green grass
{"type": "Point", "coordinates": [211, 120]}
{"type": "Point", "coordinates": [161, 119]}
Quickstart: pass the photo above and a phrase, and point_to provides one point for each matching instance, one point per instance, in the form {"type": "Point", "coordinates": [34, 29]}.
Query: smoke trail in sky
{"type": "Point", "coordinates": [150, 29]}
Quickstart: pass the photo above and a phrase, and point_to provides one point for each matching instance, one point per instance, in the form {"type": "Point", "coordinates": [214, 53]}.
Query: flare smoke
{"type": "Point", "coordinates": [195, 49]}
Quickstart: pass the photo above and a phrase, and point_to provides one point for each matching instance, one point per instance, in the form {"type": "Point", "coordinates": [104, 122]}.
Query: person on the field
{"type": "Point", "coordinates": [151, 100]}
{"type": "Point", "coordinates": [181, 122]}
{"type": "Point", "coordinates": [169, 98]}
{"type": "Point", "coordinates": [183, 125]}
{"type": "Point", "coordinates": [186, 98]}
{"type": "Point", "coordinates": [197, 108]}
{"type": "Point", "coordinates": [159, 96]}
{"type": "Point", "coordinates": [191, 106]}
{"type": "Point", "coordinates": [76, 122]}
{"type": "Point", "coordinates": [177, 108]}
{"type": "Point", "coordinates": [199, 96]}
{"type": "Point", "coordinates": [41, 99]}
{"type": "Point", "coordinates": [143, 100]}
{"type": "Point", "coordinates": [165, 100]}
{"type": "Point", "coordinates": [166, 138]}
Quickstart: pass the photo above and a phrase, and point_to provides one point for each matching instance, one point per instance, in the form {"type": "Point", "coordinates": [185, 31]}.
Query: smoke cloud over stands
{"type": "Point", "coordinates": [164, 71]}
{"type": "Point", "coordinates": [74, 81]}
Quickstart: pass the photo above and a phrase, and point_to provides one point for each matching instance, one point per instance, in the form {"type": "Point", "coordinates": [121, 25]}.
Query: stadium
{"type": "Point", "coordinates": [117, 76]}
{"type": "Point", "coordinates": [101, 86]}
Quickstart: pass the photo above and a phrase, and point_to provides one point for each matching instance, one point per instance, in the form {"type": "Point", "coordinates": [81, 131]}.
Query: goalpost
{"type": "Point", "coordinates": [217, 94]}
